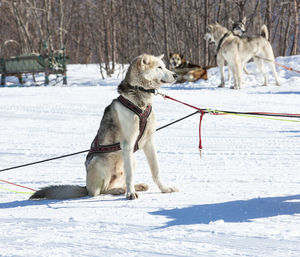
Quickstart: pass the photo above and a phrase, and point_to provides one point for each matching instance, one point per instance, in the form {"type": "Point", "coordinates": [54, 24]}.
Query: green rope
{"type": "Point", "coordinates": [17, 192]}
{"type": "Point", "coordinates": [250, 116]}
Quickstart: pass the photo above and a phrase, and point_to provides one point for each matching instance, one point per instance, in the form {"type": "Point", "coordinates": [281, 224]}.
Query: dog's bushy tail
{"type": "Point", "coordinates": [60, 192]}
{"type": "Point", "coordinates": [264, 32]}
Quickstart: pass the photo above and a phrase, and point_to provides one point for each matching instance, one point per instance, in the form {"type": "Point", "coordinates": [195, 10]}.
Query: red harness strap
{"type": "Point", "coordinates": [143, 116]}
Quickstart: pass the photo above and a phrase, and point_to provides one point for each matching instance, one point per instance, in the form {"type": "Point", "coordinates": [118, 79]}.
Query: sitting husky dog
{"type": "Point", "coordinates": [237, 51]}
{"type": "Point", "coordinates": [186, 71]}
{"type": "Point", "coordinates": [128, 124]}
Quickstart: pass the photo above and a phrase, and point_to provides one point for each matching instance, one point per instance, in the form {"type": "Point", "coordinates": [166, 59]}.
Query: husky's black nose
{"type": "Point", "coordinates": [175, 76]}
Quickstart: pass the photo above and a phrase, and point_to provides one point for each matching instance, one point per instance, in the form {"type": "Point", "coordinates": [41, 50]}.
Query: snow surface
{"type": "Point", "coordinates": [242, 198]}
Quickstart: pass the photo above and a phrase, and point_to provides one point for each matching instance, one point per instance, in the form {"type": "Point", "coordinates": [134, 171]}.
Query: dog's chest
{"type": "Point", "coordinates": [147, 132]}
{"type": "Point", "coordinates": [139, 122]}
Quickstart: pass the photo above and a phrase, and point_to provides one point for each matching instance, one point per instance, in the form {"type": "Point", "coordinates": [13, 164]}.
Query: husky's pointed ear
{"type": "Point", "coordinates": [145, 60]}
{"type": "Point", "coordinates": [244, 20]}
{"type": "Point", "coordinates": [161, 56]}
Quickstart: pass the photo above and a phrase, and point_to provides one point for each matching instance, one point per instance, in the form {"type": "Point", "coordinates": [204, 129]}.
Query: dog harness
{"type": "Point", "coordinates": [221, 41]}
{"type": "Point", "coordinates": [143, 116]}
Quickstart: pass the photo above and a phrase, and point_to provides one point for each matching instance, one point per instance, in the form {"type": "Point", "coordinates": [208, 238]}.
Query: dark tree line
{"type": "Point", "coordinates": [115, 31]}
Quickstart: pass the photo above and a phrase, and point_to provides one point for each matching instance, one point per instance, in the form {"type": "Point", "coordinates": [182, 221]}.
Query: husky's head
{"type": "Point", "coordinates": [149, 72]}
{"type": "Point", "coordinates": [215, 32]}
{"type": "Point", "coordinates": [238, 27]}
{"type": "Point", "coordinates": [175, 60]}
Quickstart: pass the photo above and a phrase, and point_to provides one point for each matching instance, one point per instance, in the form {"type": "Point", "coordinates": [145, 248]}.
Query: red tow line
{"type": "Point", "coordinates": [201, 111]}
{"type": "Point", "coordinates": [5, 181]}
{"type": "Point", "coordinates": [286, 67]}
{"type": "Point", "coordinates": [216, 112]}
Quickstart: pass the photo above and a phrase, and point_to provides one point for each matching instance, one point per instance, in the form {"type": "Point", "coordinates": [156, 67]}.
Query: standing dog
{"type": "Point", "coordinates": [128, 124]}
{"type": "Point", "coordinates": [237, 51]}
{"type": "Point", "coordinates": [185, 70]}
{"type": "Point", "coordinates": [238, 27]}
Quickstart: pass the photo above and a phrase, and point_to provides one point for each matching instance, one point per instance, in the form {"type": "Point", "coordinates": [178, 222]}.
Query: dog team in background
{"type": "Point", "coordinates": [232, 47]}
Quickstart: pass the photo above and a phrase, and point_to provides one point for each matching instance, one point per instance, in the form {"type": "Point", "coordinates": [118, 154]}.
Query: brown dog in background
{"type": "Point", "coordinates": [185, 70]}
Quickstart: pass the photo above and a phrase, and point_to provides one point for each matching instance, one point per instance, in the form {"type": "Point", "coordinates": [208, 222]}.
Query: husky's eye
{"type": "Point", "coordinates": [159, 67]}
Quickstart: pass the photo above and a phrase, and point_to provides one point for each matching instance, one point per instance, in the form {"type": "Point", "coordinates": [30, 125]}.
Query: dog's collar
{"type": "Point", "coordinates": [221, 41]}
{"type": "Point", "coordinates": [125, 87]}
{"type": "Point", "coordinates": [153, 91]}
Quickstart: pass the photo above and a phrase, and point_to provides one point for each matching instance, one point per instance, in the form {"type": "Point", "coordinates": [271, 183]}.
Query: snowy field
{"type": "Point", "coordinates": [242, 198]}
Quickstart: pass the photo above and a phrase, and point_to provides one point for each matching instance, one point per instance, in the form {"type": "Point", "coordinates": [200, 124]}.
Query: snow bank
{"type": "Point", "coordinates": [241, 198]}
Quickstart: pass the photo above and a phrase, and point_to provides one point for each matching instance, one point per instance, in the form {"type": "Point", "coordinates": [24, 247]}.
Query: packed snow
{"type": "Point", "coordinates": [241, 198]}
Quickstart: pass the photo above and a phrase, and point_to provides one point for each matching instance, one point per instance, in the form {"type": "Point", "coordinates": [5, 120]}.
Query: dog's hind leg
{"type": "Point", "coordinates": [269, 58]}
{"type": "Point", "coordinates": [150, 152]}
{"type": "Point", "coordinates": [272, 65]}
{"type": "Point", "coordinates": [97, 177]}
{"type": "Point", "coordinates": [260, 65]}
{"type": "Point", "coordinates": [234, 69]}
{"type": "Point", "coordinates": [229, 75]}
{"type": "Point", "coordinates": [239, 76]}
{"type": "Point", "coordinates": [220, 63]}
{"type": "Point", "coordinates": [245, 70]}
{"type": "Point", "coordinates": [238, 67]}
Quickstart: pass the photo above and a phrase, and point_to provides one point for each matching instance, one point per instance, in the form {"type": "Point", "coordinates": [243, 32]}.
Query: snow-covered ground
{"type": "Point", "coordinates": [242, 198]}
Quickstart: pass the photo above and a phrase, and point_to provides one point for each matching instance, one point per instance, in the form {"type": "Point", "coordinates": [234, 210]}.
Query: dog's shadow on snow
{"type": "Point", "coordinates": [26, 203]}
{"type": "Point", "coordinates": [234, 211]}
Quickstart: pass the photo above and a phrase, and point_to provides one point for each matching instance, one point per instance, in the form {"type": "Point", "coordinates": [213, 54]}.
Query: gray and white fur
{"type": "Point", "coordinates": [237, 51]}
{"type": "Point", "coordinates": [114, 172]}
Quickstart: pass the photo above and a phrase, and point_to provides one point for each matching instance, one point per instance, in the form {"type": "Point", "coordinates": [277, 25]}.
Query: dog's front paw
{"type": "Point", "coordinates": [169, 190]}
{"type": "Point", "coordinates": [131, 196]}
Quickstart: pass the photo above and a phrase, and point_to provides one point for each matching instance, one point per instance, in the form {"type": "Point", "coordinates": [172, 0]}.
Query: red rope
{"type": "Point", "coordinates": [231, 112]}
{"type": "Point", "coordinates": [203, 111]}
{"type": "Point", "coordinates": [278, 64]}
{"type": "Point", "coordinates": [17, 185]}
{"type": "Point", "coordinates": [286, 67]}
{"type": "Point", "coordinates": [189, 105]}
{"type": "Point", "coordinates": [200, 123]}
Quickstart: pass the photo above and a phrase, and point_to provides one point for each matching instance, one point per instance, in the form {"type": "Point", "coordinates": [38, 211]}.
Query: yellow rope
{"type": "Point", "coordinates": [251, 116]}
{"type": "Point", "coordinates": [17, 192]}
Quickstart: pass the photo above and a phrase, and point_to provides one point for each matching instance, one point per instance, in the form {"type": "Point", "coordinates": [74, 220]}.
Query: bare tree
{"type": "Point", "coordinates": [205, 27]}
{"type": "Point", "coordinates": [295, 9]}
{"type": "Point", "coordinates": [166, 45]}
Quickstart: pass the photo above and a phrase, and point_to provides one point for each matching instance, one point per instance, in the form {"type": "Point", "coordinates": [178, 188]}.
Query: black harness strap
{"type": "Point", "coordinates": [221, 41]}
{"type": "Point", "coordinates": [143, 116]}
